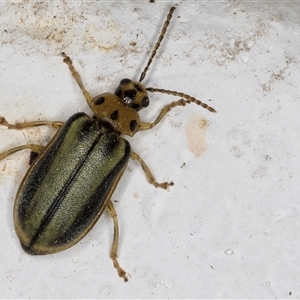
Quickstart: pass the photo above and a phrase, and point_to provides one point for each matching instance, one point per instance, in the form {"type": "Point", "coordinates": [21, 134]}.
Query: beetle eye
{"type": "Point", "coordinates": [145, 101]}
{"type": "Point", "coordinates": [125, 81]}
{"type": "Point", "coordinates": [118, 92]}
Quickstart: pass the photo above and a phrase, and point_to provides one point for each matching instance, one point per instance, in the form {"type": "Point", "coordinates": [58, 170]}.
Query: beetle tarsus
{"type": "Point", "coordinates": [4, 122]}
{"type": "Point", "coordinates": [148, 173]}
{"type": "Point", "coordinates": [67, 59]}
{"type": "Point", "coordinates": [121, 272]}
{"type": "Point", "coordinates": [163, 185]}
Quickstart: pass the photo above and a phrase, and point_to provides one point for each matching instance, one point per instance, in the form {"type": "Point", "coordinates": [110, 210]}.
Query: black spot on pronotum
{"type": "Point", "coordinates": [99, 100]}
{"type": "Point", "coordinates": [132, 125]}
{"type": "Point", "coordinates": [115, 115]}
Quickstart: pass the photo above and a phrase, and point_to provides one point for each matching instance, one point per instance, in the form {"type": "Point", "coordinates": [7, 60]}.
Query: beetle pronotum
{"type": "Point", "coordinates": [70, 182]}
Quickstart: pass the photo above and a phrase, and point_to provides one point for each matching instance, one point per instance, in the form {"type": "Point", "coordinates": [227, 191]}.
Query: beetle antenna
{"type": "Point", "coordinates": [160, 38]}
{"type": "Point", "coordinates": [182, 95]}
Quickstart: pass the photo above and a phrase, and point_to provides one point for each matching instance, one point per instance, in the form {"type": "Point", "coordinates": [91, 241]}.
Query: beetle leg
{"type": "Point", "coordinates": [150, 177]}
{"type": "Point", "coordinates": [114, 247]}
{"type": "Point", "coordinates": [33, 147]}
{"type": "Point", "coordinates": [77, 77]}
{"type": "Point", "coordinates": [163, 112]}
{"type": "Point", "coordinates": [55, 125]}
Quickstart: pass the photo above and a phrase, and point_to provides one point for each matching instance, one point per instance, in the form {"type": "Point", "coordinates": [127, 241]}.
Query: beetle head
{"type": "Point", "coordinates": [132, 94]}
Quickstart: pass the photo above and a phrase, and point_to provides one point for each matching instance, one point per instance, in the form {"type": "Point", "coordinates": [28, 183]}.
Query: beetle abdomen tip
{"type": "Point", "coordinates": [28, 250]}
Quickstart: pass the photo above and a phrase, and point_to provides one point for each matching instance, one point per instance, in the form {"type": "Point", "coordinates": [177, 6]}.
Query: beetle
{"type": "Point", "coordinates": [71, 180]}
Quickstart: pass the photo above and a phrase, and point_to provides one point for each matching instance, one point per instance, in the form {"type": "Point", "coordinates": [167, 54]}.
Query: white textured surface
{"type": "Point", "coordinates": [230, 226]}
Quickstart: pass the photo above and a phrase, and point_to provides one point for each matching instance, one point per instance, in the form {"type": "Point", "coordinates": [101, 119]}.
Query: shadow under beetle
{"type": "Point", "coordinates": [71, 180]}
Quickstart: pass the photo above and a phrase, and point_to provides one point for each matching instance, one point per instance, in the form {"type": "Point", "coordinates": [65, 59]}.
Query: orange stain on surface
{"type": "Point", "coordinates": [195, 130]}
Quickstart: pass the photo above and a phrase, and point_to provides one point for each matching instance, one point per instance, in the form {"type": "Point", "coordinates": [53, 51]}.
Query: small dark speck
{"type": "Point", "coordinates": [290, 293]}
{"type": "Point", "coordinates": [212, 268]}
{"type": "Point", "coordinates": [191, 234]}
{"type": "Point", "coordinates": [151, 1]}
{"type": "Point", "coordinates": [267, 157]}
{"type": "Point", "coordinates": [5, 30]}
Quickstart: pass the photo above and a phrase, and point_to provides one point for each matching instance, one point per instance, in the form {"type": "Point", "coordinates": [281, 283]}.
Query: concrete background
{"type": "Point", "coordinates": [229, 227]}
